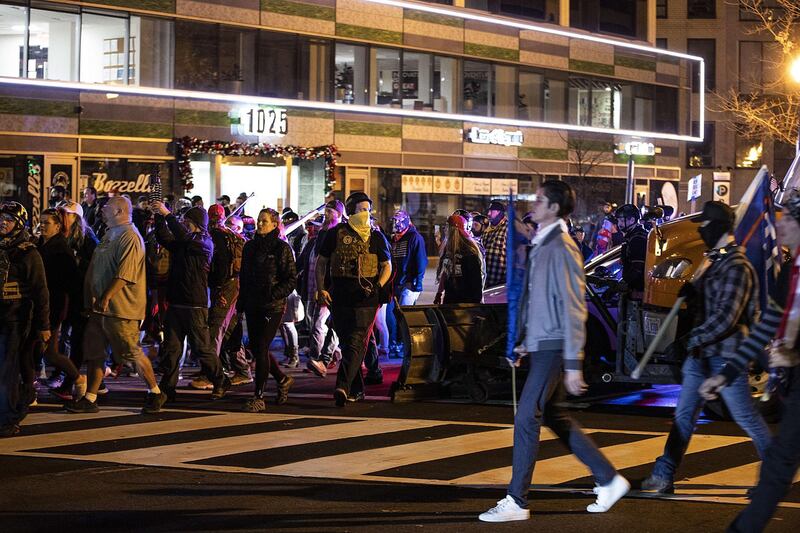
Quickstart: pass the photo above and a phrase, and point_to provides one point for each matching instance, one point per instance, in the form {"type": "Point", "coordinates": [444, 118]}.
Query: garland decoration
{"type": "Point", "coordinates": [186, 146]}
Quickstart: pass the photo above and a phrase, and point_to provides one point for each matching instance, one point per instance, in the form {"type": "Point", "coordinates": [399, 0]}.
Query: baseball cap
{"type": "Point", "coordinates": [73, 208]}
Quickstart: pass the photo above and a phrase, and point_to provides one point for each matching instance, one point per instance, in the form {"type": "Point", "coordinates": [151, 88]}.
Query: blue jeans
{"type": "Point", "coordinates": [538, 404]}
{"type": "Point", "coordinates": [737, 398]}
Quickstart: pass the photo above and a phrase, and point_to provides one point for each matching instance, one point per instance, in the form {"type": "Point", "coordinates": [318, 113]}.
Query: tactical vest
{"type": "Point", "coordinates": [352, 258]}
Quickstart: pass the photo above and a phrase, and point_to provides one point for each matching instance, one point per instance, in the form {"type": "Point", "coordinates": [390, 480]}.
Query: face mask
{"type": "Point", "coordinates": [360, 223]}
{"type": "Point", "coordinates": [712, 232]}
{"type": "Point", "coordinates": [400, 224]}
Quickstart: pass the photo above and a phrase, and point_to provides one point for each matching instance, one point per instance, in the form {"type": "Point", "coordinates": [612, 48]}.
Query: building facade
{"type": "Point", "coordinates": [737, 60]}
{"type": "Point", "coordinates": [428, 106]}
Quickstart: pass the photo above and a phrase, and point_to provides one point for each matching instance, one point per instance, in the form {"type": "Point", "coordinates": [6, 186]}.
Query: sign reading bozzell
{"type": "Point", "coordinates": [103, 184]}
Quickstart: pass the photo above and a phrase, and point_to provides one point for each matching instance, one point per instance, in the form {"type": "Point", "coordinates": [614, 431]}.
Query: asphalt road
{"type": "Point", "coordinates": [307, 466]}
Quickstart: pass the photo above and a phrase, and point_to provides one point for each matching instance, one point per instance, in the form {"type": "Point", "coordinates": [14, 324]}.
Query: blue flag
{"type": "Point", "coordinates": [515, 277]}
{"type": "Point", "coordinates": [755, 231]}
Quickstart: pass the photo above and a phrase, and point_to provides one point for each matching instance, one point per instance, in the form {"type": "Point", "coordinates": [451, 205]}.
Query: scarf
{"type": "Point", "coordinates": [360, 224]}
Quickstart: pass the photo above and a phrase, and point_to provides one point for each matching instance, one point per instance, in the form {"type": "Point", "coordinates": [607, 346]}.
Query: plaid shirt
{"type": "Point", "coordinates": [730, 297]}
{"type": "Point", "coordinates": [494, 241]}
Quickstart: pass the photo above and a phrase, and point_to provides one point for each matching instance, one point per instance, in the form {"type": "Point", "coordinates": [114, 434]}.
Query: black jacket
{"type": "Point", "coordinates": [303, 270]}
{"type": "Point", "coordinates": [190, 256]}
{"type": "Point", "coordinates": [295, 239]}
{"type": "Point", "coordinates": [463, 278]}
{"type": "Point", "coordinates": [268, 273]}
{"type": "Point", "coordinates": [222, 258]}
{"type": "Point", "coordinates": [409, 259]}
{"type": "Point", "coordinates": [61, 272]}
{"type": "Point", "coordinates": [83, 256]}
{"type": "Point", "coordinates": [634, 252]}
{"type": "Point", "coordinates": [23, 295]}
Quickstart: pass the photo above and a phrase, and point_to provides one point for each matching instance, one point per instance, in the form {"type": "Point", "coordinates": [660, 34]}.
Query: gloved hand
{"type": "Point", "coordinates": [688, 291]}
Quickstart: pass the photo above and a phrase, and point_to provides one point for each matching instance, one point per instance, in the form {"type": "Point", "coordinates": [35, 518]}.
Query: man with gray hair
{"type": "Point", "coordinates": [116, 296]}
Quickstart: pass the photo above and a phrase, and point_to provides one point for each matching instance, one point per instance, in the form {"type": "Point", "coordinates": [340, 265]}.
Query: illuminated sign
{"type": "Point", "coordinates": [636, 148]}
{"type": "Point", "coordinates": [262, 121]}
{"type": "Point", "coordinates": [495, 136]}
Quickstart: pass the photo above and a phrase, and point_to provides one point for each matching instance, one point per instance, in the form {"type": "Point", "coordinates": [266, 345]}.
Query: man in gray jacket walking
{"type": "Point", "coordinates": [552, 321]}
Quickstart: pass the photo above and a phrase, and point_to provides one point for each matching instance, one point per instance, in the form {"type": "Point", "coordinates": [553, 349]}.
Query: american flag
{"type": "Point", "coordinates": [755, 231]}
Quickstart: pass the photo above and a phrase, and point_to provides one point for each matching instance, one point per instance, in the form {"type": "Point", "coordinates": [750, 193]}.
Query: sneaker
{"type": "Point", "coordinates": [506, 510]}
{"type": "Point", "coordinates": [373, 379]}
{"type": "Point", "coordinates": [82, 406]}
{"type": "Point", "coordinates": [608, 495]}
{"type": "Point", "coordinates": [103, 389]}
{"type": "Point", "coordinates": [292, 362]}
{"type": "Point", "coordinates": [254, 405]}
{"type": "Point", "coordinates": [659, 485]}
{"type": "Point", "coordinates": [317, 367]}
{"type": "Point", "coordinates": [221, 388]}
{"type": "Point", "coordinates": [283, 390]}
{"type": "Point", "coordinates": [62, 392]}
{"type": "Point", "coordinates": [357, 397]}
{"type": "Point", "coordinates": [153, 402]}
{"type": "Point", "coordinates": [340, 397]}
{"type": "Point", "coordinates": [241, 379]}
{"type": "Point", "coordinates": [201, 383]}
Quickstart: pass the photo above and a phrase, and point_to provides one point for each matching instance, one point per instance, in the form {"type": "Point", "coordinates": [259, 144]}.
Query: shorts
{"type": "Point", "coordinates": [121, 333]}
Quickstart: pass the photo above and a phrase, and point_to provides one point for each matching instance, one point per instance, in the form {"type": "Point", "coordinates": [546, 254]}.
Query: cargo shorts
{"type": "Point", "coordinates": [121, 334]}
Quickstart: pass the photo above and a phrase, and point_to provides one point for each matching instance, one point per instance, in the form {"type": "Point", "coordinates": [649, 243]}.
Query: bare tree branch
{"type": "Point", "coordinates": [585, 153]}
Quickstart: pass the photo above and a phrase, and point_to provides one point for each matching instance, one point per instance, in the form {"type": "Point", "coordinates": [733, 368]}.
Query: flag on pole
{"type": "Point", "coordinates": [515, 277]}
{"type": "Point", "coordinates": [755, 231]}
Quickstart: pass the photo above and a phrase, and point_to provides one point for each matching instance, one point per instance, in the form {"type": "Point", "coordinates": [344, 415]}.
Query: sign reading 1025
{"type": "Point", "coordinates": [263, 121]}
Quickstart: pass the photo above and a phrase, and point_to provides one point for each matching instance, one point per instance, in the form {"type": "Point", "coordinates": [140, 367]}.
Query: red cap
{"type": "Point", "coordinates": [216, 212]}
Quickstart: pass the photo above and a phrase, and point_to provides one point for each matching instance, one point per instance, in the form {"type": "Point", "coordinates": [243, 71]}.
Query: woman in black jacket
{"type": "Point", "coordinates": [61, 272]}
{"type": "Point", "coordinates": [461, 268]}
{"type": "Point", "coordinates": [82, 241]}
{"type": "Point", "coordinates": [268, 276]}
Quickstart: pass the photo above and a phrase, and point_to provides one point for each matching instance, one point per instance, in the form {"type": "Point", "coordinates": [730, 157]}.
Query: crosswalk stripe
{"type": "Point", "coordinates": [374, 460]}
{"type": "Point", "coordinates": [738, 478]}
{"type": "Point", "coordinates": [59, 416]}
{"type": "Point", "coordinates": [206, 449]}
{"type": "Point", "coordinates": [566, 468]}
{"type": "Point", "coordinates": [52, 440]}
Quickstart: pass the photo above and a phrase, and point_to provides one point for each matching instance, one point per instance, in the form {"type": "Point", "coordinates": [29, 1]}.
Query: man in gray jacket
{"type": "Point", "coordinates": [552, 325]}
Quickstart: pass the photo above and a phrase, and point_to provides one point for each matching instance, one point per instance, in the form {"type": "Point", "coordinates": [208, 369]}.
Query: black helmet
{"type": "Point", "coordinates": [628, 211]}
{"type": "Point", "coordinates": [16, 210]}
{"type": "Point", "coordinates": [354, 199]}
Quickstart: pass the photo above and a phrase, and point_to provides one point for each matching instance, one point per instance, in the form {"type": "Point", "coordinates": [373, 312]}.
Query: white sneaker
{"type": "Point", "coordinates": [506, 510]}
{"type": "Point", "coordinates": [608, 495]}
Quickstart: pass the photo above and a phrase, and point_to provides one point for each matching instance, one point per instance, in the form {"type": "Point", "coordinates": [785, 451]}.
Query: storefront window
{"type": "Point", "coordinates": [12, 41]}
{"type": "Point", "coordinates": [15, 184]}
{"type": "Point", "coordinates": [477, 86]}
{"type": "Point", "coordinates": [53, 45]}
{"type": "Point", "coordinates": [350, 81]}
{"type": "Point", "coordinates": [106, 52]}
{"type": "Point", "coordinates": [701, 155]}
{"type": "Point", "coordinates": [594, 103]}
{"type": "Point", "coordinates": [385, 78]}
{"type": "Point", "coordinates": [445, 86]}
{"type": "Point", "coordinates": [417, 82]}
{"type": "Point", "coordinates": [153, 65]}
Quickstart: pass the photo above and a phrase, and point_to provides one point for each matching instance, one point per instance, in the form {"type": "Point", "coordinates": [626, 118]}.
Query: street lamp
{"type": "Point", "coordinates": [794, 69]}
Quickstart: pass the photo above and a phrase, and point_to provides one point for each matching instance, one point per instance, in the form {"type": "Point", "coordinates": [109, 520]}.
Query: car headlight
{"type": "Point", "coordinates": [672, 268]}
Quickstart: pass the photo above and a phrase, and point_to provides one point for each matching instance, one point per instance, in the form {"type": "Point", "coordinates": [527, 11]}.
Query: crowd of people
{"type": "Point", "coordinates": [103, 278]}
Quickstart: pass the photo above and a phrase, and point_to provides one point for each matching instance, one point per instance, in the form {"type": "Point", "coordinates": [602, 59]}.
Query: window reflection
{"type": "Point", "coordinates": [12, 41]}
{"type": "Point", "coordinates": [350, 74]}
{"type": "Point", "coordinates": [386, 82]}
{"type": "Point", "coordinates": [152, 66]}
{"type": "Point", "coordinates": [106, 53]}
{"type": "Point", "coordinates": [476, 88]}
{"type": "Point", "coordinates": [53, 45]}
{"type": "Point", "coordinates": [445, 74]}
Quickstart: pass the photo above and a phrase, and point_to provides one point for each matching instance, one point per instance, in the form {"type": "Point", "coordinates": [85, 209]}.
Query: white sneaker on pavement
{"type": "Point", "coordinates": [608, 495]}
{"type": "Point", "coordinates": [506, 510]}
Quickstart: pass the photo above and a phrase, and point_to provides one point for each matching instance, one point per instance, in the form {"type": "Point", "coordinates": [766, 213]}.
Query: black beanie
{"type": "Point", "coordinates": [199, 216]}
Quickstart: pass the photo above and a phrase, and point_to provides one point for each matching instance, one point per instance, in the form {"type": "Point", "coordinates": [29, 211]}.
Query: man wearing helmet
{"type": "Point", "coordinates": [634, 249]}
{"type": "Point", "coordinates": [23, 303]}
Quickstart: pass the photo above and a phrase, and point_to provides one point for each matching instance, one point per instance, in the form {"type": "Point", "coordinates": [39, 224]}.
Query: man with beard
{"type": "Point", "coordinates": [494, 241]}
{"type": "Point", "coordinates": [23, 305]}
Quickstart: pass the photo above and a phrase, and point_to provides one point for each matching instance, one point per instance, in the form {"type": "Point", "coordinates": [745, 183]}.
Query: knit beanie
{"type": "Point", "coordinates": [199, 216]}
